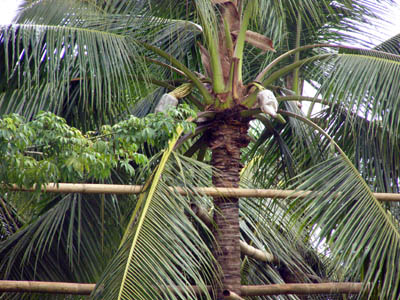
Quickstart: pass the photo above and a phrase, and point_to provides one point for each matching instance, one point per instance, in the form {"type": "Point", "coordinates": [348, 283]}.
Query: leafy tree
{"type": "Point", "coordinates": [94, 62]}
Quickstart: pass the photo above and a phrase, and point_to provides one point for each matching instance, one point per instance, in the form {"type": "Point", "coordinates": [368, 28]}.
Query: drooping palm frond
{"type": "Point", "coordinates": [283, 151]}
{"type": "Point", "coordinates": [391, 45]}
{"type": "Point", "coordinates": [57, 62]}
{"type": "Point", "coordinates": [162, 253]}
{"type": "Point", "coordinates": [291, 24]}
{"type": "Point", "coordinates": [10, 222]}
{"type": "Point", "coordinates": [263, 157]}
{"type": "Point", "coordinates": [373, 151]}
{"type": "Point", "coordinates": [363, 236]}
{"type": "Point", "coordinates": [357, 80]}
{"type": "Point", "coordinates": [265, 222]}
{"type": "Point", "coordinates": [376, 156]}
{"type": "Point", "coordinates": [65, 243]}
{"type": "Point", "coordinates": [147, 104]}
{"type": "Point", "coordinates": [265, 225]}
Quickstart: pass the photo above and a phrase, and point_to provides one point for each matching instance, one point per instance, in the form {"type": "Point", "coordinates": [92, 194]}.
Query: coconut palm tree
{"type": "Point", "coordinates": [94, 62]}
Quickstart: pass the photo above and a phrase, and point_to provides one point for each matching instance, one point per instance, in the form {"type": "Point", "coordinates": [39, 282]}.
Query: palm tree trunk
{"type": "Point", "coordinates": [226, 139]}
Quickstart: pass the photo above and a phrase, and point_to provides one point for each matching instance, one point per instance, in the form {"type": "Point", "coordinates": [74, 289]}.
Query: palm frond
{"type": "Point", "coordinates": [265, 224]}
{"type": "Point", "coordinates": [320, 21]}
{"type": "Point", "coordinates": [269, 158]}
{"type": "Point", "coordinates": [10, 222]}
{"type": "Point", "coordinates": [376, 156]}
{"type": "Point", "coordinates": [365, 82]}
{"type": "Point", "coordinates": [391, 45]}
{"type": "Point", "coordinates": [162, 253]}
{"type": "Point", "coordinates": [373, 151]}
{"type": "Point", "coordinates": [363, 236]}
{"type": "Point", "coordinates": [62, 243]}
{"type": "Point", "coordinates": [63, 64]}
{"type": "Point", "coordinates": [283, 151]}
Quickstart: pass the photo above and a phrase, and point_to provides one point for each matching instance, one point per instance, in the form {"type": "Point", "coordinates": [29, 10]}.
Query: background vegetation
{"type": "Point", "coordinates": [79, 84]}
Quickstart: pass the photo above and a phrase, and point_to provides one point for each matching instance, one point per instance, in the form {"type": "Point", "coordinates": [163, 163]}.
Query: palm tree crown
{"type": "Point", "coordinates": [241, 67]}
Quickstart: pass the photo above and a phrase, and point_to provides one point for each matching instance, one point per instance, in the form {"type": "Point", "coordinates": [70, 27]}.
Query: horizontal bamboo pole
{"type": "Point", "coordinates": [302, 289]}
{"type": "Point", "coordinates": [92, 188]}
{"type": "Point", "coordinates": [246, 290]}
{"type": "Point", "coordinates": [46, 287]}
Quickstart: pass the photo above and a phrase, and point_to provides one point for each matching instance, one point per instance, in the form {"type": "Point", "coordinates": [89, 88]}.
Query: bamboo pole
{"type": "Point", "coordinates": [92, 188]}
{"type": "Point", "coordinates": [245, 248]}
{"type": "Point", "coordinates": [246, 290]}
{"type": "Point", "coordinates": [228, 295]}
{"type": "Point", "coordinates": [46, 287]}
{"type": "Point", "coordinates": [83, 188]}
{"type": "Point", "coordinates": [255, 253]}
{"type": "Point", "coordinates": [302, 289]}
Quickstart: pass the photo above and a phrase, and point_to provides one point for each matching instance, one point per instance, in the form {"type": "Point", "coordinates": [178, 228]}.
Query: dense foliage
{"type": "Point", "coordinates": [92, 64]}
{"type": "Point", "coordinates": [46, 149]}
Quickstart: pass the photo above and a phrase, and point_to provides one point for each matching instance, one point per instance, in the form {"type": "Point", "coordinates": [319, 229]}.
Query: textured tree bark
{"type": "Point", "coordinates": [227, 137]}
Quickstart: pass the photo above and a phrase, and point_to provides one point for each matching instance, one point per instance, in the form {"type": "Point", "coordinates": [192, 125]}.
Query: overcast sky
{"type": "Point", "coordinates": [7, 10]}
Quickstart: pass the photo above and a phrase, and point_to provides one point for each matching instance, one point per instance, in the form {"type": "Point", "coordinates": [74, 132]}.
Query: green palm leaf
{"type": "Point", "coordinates": [162, 253]}
{"type": "Point", "coordinates": [283, 151]}
{"type": "Point", "coordinates": [266, 225]}
{"type": "Point", "coordinates": [391, 45]}
{"type": "Point", "coordinates": [363, 235]}
{"type": "Point", "coordinates": [66, 66]}
{"type": "Point", "coordinates": [374, 75]}
{"type": "Point", "coordinates": [64, 243]}
{"type": "Point", "coordinates": [80, 59]}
